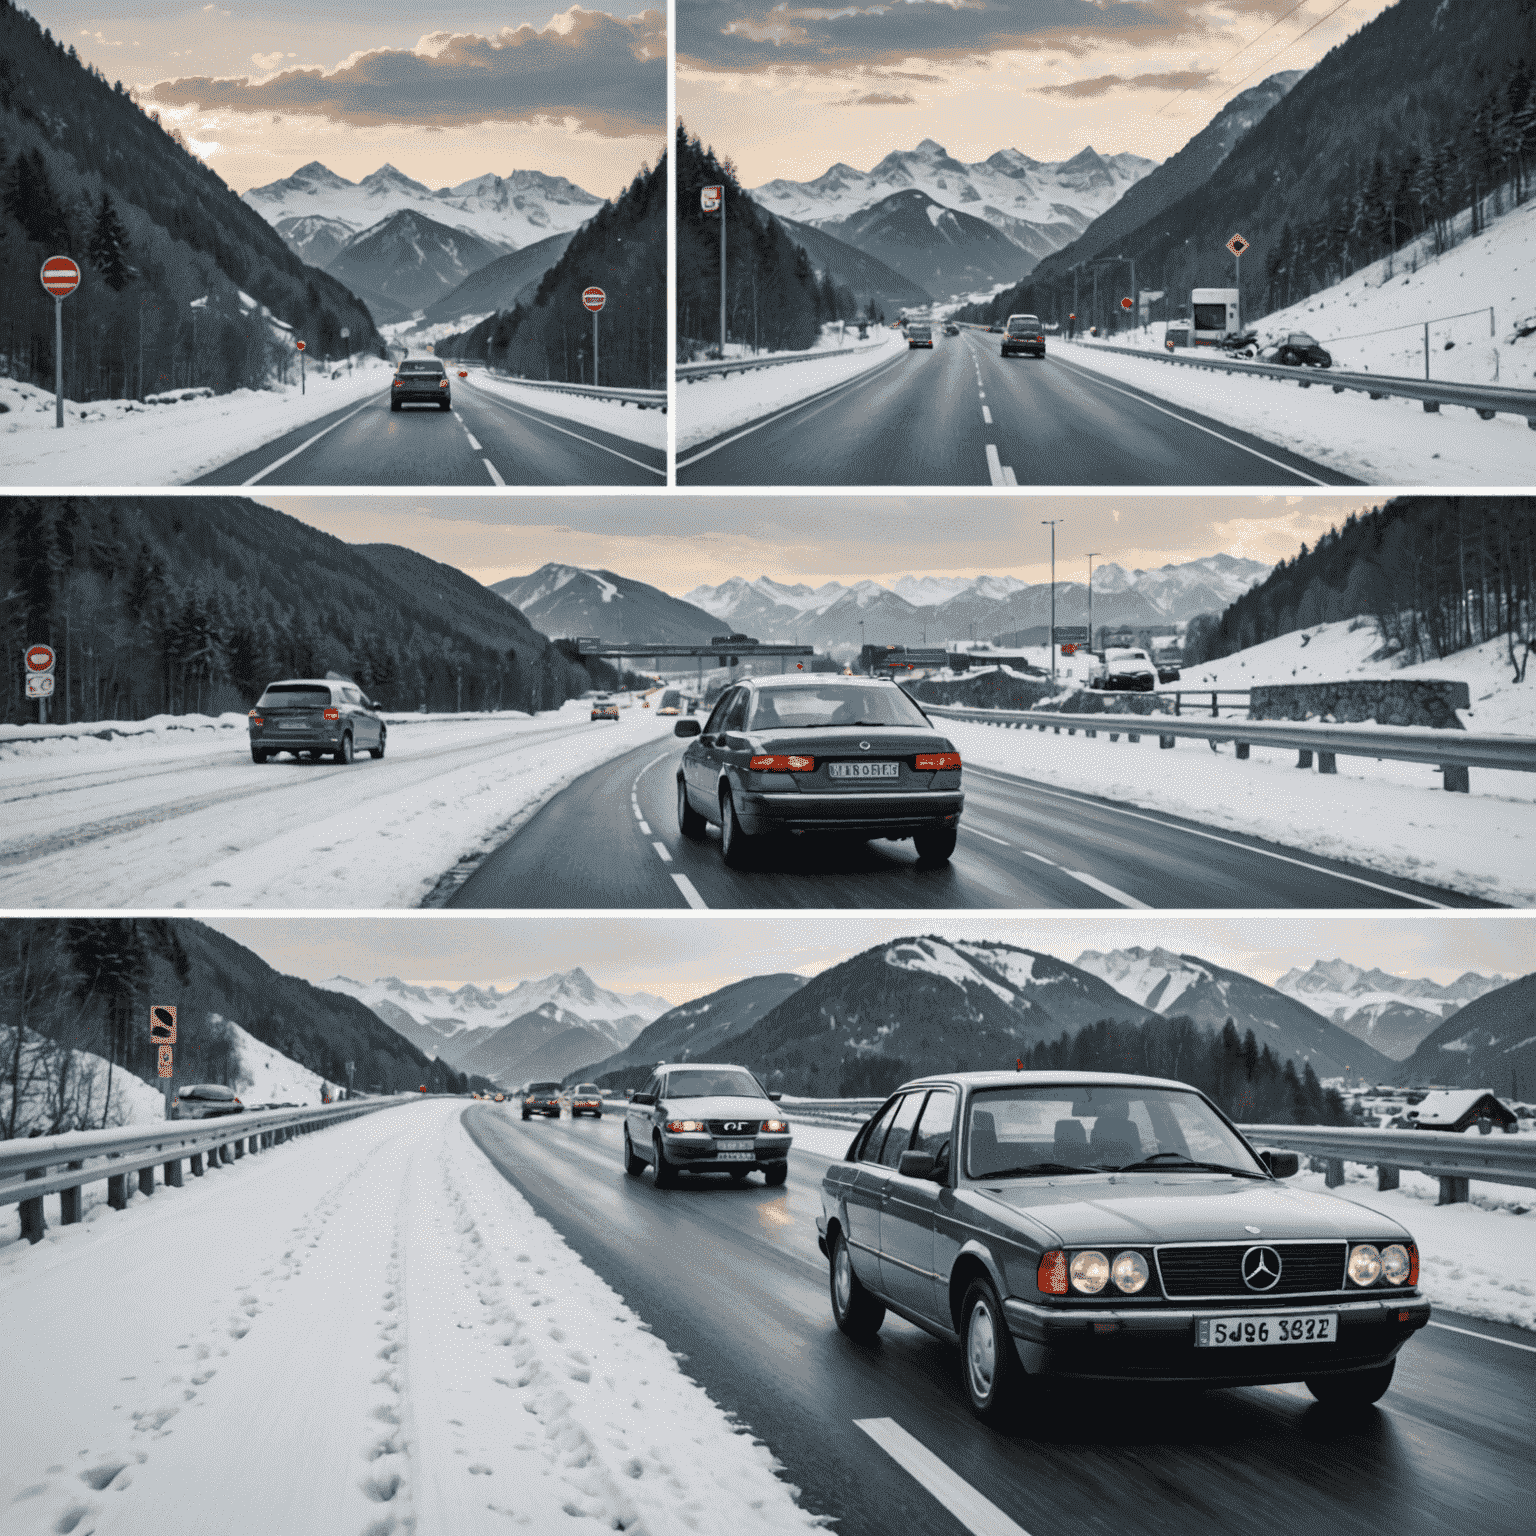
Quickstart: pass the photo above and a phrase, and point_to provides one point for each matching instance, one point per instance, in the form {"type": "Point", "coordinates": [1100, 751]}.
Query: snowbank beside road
{"type": "Point", "coordinates": [1387, 816]}
{"type": "Point", "coordinates": [450, 1363]}
{"type": "Point", "coordinates": [648, 427]}
{"type": "Point", "coordinates": [707, 407]}
{"type": "Point", "coordinates": [125, 442]}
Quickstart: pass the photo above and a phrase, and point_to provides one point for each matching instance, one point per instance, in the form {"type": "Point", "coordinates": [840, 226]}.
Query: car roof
{"type": "Point", "coordinates": [707, 1066]}
{"type": "Point", "coordinates": [800, 679]}
{"type": "Point", "coordinates": [1006, 1079]}
{"type": "Point", "coordinates": [307, 682]}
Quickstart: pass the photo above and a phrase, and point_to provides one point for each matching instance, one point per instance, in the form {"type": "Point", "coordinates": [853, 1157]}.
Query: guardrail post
{"type": "Point", "coordinates": [1333, 1173]}
{"type": "Point", "coordinates": [69, 1202]}
{"type": "Point", "coordinates": [117, 1191]}
{"type": "Point", "coordinates": [1304, 757]}
{"type": "Point", "coordinates": [1165, 742]}
{"type": "Point", "coordinates": [1387, 1177]}
{"type": "Point", "coordinates": [1091, 735]}
{"type": "Point", "coordinates": [1432, 407]}
{"type": "Point", "coordinates": [1327, 763]}
{"type": "Point", "coordinates": [1458, 779]}
{"type": "Point", "coordinates": [1114, 736]}
{"type": "Point", "coordinates": [1130, 736]}
{"type": "Point", "coordinates": [147, 1180]}
{"type": "Point", "coordinates": [1241, 750]}
{"type": "Point", "coordinates": [196, 1161]}
{"type": "Point", "coordinates": [173, 1173]}
{"type": "Point", "coordinates": [240, 1146]}
{"type": "Point", "coordinates": [1453, 1191]}
{"type": "Point", "coordinates": [224, 1154]}
{"type": "Point", "coordinates": [32, 1224]}
{"type": "Point", "coordinates": [1215, 711]}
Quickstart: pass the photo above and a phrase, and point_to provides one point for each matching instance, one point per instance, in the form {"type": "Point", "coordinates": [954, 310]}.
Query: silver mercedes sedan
{"type": "Point", "coordinates": [705, 1117]}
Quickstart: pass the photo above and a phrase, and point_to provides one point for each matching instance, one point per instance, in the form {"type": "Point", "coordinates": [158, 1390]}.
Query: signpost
{"type": "Point", "coordinates": [40, 660]}
{"type": "Point", "coordinates": [300, 346]}
{"type": "Point", "coordinates": [346, 336]}
{"type": "Point", "coordinates": [712, 200]}
{"type": "Point", "coordinates": [594, 299]}
{"type": "Point", "coordinates": [1237, 245]}
{"type": "Point", "coordinates": [60, 277]}
{"type": "Point", "coordinates": [162, 1035]}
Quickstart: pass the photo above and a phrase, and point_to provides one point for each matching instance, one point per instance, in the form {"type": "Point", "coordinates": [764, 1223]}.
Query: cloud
{"type": "Point", "coordinates": [877, 99]}
{"type": "Point", "coordinates": [266, 61]}
{"type": "Point", "coordinates": [608, 73]}
{"type": "Point", "coordinates": [1101, 85]}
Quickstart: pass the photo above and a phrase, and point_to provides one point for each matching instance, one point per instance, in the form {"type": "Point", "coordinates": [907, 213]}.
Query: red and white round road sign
{"type": "Point", "coordinates": [39, 658]}
{"type": "Point", "coordinates": [1125, 303]}
{"type": "Point", "coordinates": [299, 345]}
{"type": "Point", "coordinates": [594, 299]}
{"type": "Point", "coordinates": [61, 276]}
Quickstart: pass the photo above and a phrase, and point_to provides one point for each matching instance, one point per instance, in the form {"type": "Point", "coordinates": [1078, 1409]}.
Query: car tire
{"type": "Point", "coordinates": [633, 1166]}
{"type": "Point", "coordinates": [855, 1311]}
{"type": "Point", "coordinates": [257, 755]}
{"type": "Point", "coordinates": [394, 405]}
{"type": "Point", "coordinates": [1288, 358]}
{"type": "Point", "coordinates": [526, 1116]}
{"type": "Point", "coordinates": [689, 822]}
{"type": "Point", "coordinates": [445, 405]}
{"type": "Point", "coordinates": [343, 753]}
{"type": "Point", "coordinates": [936, 847]}
{"type": "Point", "coordinates": [1358, 1389]}
{"type": "Point", "coordinates": [736, 847]}
{"type": "Point", "coordinates": [666, 1174]}
{"type": "Point", "coordinates": [377, 752]}
{"type": "Point", "coordinates": [988, 1361]}
{"type": "Point", "coordinates": [775, 1174]}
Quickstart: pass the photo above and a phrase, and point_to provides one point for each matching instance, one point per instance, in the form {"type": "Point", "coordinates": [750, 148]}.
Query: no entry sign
{"type": "Point", "coordinates": [40, 658]}
{"type": "Point", "coordinates": [594, 299]}
{"type": "Point", "coordinates": [61, 276]}
{"type": "Point", "coordinates": [299, 345]}
{"type": "Point", "coordinates": [1125, 303]}
{"type": "Point", "coordinates": [711, 198]}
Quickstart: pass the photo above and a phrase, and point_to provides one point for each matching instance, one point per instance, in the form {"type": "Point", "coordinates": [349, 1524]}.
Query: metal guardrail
{"type": "Point", "coordinates": [1488, 400]}
{"type": "Point", "coordinates": [1178, 695]}
{"type": "Point", "coordinates": [135, 1151]}
{"type": "Point", "coordinates": [687, 373]}
{"type": "Point", "coordinates": [1451, 1158]}
{"type": "Point", "coordinates": [645, 399]}
{"type": "Point", "coordinates": [1453, 753]}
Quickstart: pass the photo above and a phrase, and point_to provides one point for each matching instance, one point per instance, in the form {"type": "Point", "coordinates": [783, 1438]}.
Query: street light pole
{"type": "Point", "coordinates": [1050, 522]}
{"type": "Point", "coordinates": [1092, 553]}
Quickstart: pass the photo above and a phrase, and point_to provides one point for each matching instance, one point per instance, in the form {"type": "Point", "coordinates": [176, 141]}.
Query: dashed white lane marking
{"type": "Point", "coordinates": [986, 414]}
{"type": "Point", "coordinates": [507, 405]}
{"type": "Point", "coordinates": [261, 474]}
{"type": "Point", "coordinates": [491, 471]}
{"type": "Point", "coordinates": [995, 465]}
{"type": "Point", "coordinates": [690, 895]}
{"type": "Point", "coordinates": [1507, 1343]}
{"type": "Point", "coordinates": [988, 836]}
{"type": "Point", "coordinates": [975, 1512]}
{"type": "Point", "coordinates": [645, 828]}
{"type": "Point", "coordinates": [473, 442]}
{"type": "Point", "coordinates": [661, 852]}
{"type": "Point", "coordinates": [1104, 889]}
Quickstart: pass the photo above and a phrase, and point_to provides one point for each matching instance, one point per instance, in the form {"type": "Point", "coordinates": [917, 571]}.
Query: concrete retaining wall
{"type": "Point", "coordinates": [1386, 701]}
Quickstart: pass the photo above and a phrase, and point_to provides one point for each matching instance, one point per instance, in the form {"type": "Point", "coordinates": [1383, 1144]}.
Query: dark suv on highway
{"type": "Point", "coordinates": [420, 381]}
{"type": "Point", "coordinates": [315, 717]}
{"type": "Point", "coordinates": [542, 1099]}
{"type": "Point", "coordinates": [1024, 333]}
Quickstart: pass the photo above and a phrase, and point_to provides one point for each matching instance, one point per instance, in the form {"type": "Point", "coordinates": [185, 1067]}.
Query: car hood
{"type": "Point", "coordinates": [1180, 1208]}
{"type": "Point", "coordinates": [722, 1108]}
{"type": "Point", "coordinates": [885, 741]}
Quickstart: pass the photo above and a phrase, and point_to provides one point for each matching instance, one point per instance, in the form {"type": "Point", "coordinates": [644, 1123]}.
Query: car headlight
{"type": "Point", "coordinates": [1129, 1271]}
{"type": "Point", "coordinates": [774, 1127]}
{"type": "Point", "coordinates": [686, 1125]}
{"type": "Point", "coordinates": [1364, 1266]}
{"type": "Point", "coordinates": [1397, 1263]}
{"type": "Point", "coordinates": [1089, 1272]}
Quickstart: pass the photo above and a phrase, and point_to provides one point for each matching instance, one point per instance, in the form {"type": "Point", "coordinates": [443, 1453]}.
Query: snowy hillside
{"type": "Point", "coordinates": [266, 1076]}
{"type": "Point", "coordinates": [70, 1090]}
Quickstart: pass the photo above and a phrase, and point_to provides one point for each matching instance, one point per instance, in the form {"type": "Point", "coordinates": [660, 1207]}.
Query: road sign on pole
{"type": "Point", "coordinates": [1125, 303]}
{"type": "Point", "coordinates": [40, 658]}
{"type": "Point", "coordinates": [162, 1025]}
{"type": "Point", "coordinates": [1237, 245]}
{"type": "Point", "coordinates": [60, 277]}
{"type": "Point", "coordinates": [40, 686]}
{"type": "Point", "coordinates": [594, 299]}
{"type": "Point", "coordinates": [300, 346]}
{"type": "Point", "coordinates": [163, 1063]}
{"type": "Point", "coordinates": [712, 200]}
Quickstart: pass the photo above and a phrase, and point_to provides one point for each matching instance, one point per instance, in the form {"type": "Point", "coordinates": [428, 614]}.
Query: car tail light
{"type": "Point", "coordinates": [931, 762]}
{"type": "Point", "coordinates": [442, 383]}
{"type": "Point", "coordinates": [397, 384]}
{"type": "Point", "coordinates": [237, 1101]}
{"type": "Point", "coordinates": [1051, 1276]}
{"type": "Point", "coordinates": [333, 714]}
{"type": "Point", "coordinates": [256, 719]}
{"type": "Point", "coordinates": [783, 762]}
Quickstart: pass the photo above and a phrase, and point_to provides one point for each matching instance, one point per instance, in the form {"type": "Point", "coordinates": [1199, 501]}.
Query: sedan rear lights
{"type": "Point", "coordinates": [397, 384]}
{"type": "Point", "coordinates": [333, 714]}
{"type": "Point", "coordinates": [442, 383]}
{"type": "Point", "coordinates": [683, 1126]}
{"type": "Point", "coordinates": [782, 762]}
{"type": "Point", "coordinates": [935, 762]}
{"type": "Point", "coordinates": [255, 719]}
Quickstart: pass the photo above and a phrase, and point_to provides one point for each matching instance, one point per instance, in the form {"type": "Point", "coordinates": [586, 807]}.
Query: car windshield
{"type": "Point", "coordinates": [1021, 323]}
{"type": "Point", "coordinates": [1065, 1128]}
{"type": "Point", "coordinates": [421, 365]}
{"type": "Point", "coordinates": [712, 1083]}
{"type": "Point", "coordinates": [297, 693]}
{"type": "Point", "coordinates": [840, 703]}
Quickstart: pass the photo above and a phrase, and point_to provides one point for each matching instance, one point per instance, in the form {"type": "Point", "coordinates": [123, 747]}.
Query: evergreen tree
{"type": "Point", "coordinates": [108, 247]}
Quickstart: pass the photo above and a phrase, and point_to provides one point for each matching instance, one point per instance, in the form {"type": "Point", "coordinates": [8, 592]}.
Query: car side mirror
{"type": "Point", "coordinates": [642, 1098]}
{"type": "Point", "coordinates": [1284, 1165]}
{"type": "Point", "coordinates": [916, 1165]}
{"type": "Point", "coordinates": [775, 1097]}
{"type": "Point", "coordinates": [686, 728]}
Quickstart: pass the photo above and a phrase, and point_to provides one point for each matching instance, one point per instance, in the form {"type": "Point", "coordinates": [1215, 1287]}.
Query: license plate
{"type": "Point", "coordinates": [734, 1146]}
{"type": "Point", "coordinates": [736, 1157]}
{"type": "Point", "coordinates": [1248, 1332]}
{"type": "Point", "coordinates": [294, 725]}
{"type": "Point", "coordinates": [864, 770]}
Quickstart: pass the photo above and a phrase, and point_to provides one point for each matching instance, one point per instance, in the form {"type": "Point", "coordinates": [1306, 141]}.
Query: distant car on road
{"type": "Point", "coordinates": [671, 702]}
{"type": "Point", "coordinates": [420, 381]}
{"type": "Point", "coordinates": [315, 717]}
{"type": "Point", "coordinates": [542, 1099]}
{"type": "Point", "coordinates": [1167, 669]}
{"type": "Point", "coordinates": [951, 329]}
{"type": "Point", "coordinates": [205, 1101]}
{"type": "Point", "coordinates": [995, 329]}
{"type": "Point", "coordinates": [1111, 1228]}
{"type": "Point", "coordinates": [1295, 350]}
{"type": "Point", "coordinates": [584, 1099]}
{"type": "Point", "coordinates": [1024, 333]}
{"type": "Point", "coordinates": [919, 335]}
{"type": "Point", "coordinates": [705, 1117]}
{"type": "Point", "coordinates": [604, 708]}
{"type": "Point", "coordinates": [829, 755]}
{"type": "Point", "coordinates": [1124, 671]}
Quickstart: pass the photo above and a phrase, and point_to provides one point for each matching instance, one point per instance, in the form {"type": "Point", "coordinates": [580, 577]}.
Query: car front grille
{"type": "Point", "coordinates": [733, 1127]}
{"type": "Point", "coordinates": [1216, 1269]}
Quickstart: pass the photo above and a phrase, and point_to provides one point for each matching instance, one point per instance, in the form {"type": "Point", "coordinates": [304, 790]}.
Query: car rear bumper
{"type": "Point", "coordinates": [1158, 1343]}
{"type": "Point", "coordinates": [422, 396]}
{"type": "Point", "coordinates": [893, 811]}
{"type": "Point", "coordinates": [1034, 348]}
{"type": "Point", "coordinates": [297, 741]}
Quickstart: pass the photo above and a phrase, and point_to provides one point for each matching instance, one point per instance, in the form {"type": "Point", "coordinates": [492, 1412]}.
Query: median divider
{"type": "Point", "coordinates": [687, 373]}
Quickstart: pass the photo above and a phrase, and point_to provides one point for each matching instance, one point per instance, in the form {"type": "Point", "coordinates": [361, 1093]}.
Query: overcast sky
{"type": "Point", "coordinates": [444, 93]}
{"type": "Point", "coordinates": [683, 957]}
{"type": "Point", "coordinates": [788, 89]}
{"type": "Point", "coordinates": [678, 543]}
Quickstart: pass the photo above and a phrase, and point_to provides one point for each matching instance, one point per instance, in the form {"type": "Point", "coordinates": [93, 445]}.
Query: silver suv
{"type": "Point", "coordinates": [705, 1117]}
{"type": "Point", "coordinates": [315, 717]}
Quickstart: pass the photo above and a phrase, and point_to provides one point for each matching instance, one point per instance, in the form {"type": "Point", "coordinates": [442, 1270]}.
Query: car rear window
{"type": "Point", "coordinates": [304, 694]}
{"type": "Point", "coordinates": [421, 365]}
{"type": "Point", "coordinates": [1022, 323]}
{"type": "Point", "coordinates": [543, 1087]}
{"type": "Point", "coordinates": [208, 1091]}
{"type": "Point", "coordinates": [841, 703]}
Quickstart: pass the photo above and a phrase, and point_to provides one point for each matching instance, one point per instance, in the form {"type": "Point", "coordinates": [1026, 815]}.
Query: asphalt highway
{"type": "Point", "coordinates": [611, 840]}
{"type": "Point", "coordinates": [484, 440]}
{"type": "Point", "coordinates": [731, 1279]}
{"type": "Point", "coordinates": [961, 414]}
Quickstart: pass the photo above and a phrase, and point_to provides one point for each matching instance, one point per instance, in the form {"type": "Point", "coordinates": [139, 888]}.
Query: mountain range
{"type": "Point", "coordinates": [1491, 1043]}
{"type": "Point", "coordinates": [565, 600]}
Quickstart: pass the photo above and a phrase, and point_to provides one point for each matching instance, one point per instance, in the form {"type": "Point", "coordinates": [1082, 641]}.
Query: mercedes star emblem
{"type": "Point", "coordinates": [1261, 1269]}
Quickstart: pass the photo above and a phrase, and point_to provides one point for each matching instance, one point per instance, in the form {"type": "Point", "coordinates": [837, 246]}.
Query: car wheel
{"type": "Point", "coordinates": [377, 752]}
{"type": "Point", "coordinates": [935, 847]}
{"type": "Point", "coordinates": [1359, 1389]}
{"type": "Point", "coordinates": [445, 405]}
{"type": "Point", "coordinates": [257, 755]}
{"type": "Point", "coordinates": [854, 1310]}
{"type": "Point", "coordinates": [689, 822]}
{"type": "Point", "coordinates": [343, 753]}
{"type": "Point", "coordinates": [736, 846]}
{"type": "Point", "coordinates": [1288, 358]}
{"type": "Point", "coordinates": [988, 1360]}
{"type": "Point", "coordinates": [633, 1166]}
{"type": "Point", "coordinates": [666, 1174]}
{"type": "Point", "coordinates": [776, 1173]}
{"type": "Point", "coordinates": [394, 405]}
{"type": "Point", "coordinates": [526, 1115]}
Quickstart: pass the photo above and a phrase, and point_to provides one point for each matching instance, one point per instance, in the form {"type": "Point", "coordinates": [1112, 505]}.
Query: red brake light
{"type": "Point", "coordinates": [333, 714]}
{"type": "Point", "coordinates": [1051, 1276]}
{"type": "Point", "coordinates": [930, 762]}
{"type": "Point", "coordinates": [397, 383]}
{"type": "Point", "coordinates": [1413, 1263]}
{"type": "Point", "coordinates": [256, 719]}
{"type": "Point", "coordinates": [783, 762]}
{"type": "Point", "coordinates": [442, 383]}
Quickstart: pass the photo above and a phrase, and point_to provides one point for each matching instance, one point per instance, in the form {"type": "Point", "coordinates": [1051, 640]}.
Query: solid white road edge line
{"type": "Point", "coordinates": [278, 463]}
{"type": "Point", "coordinates": [661, 852]}
{"type": "Point", "coordinates": [1492, 1339]}
{"type": "Point", "coordinates": [1214, 837]}
{"type": "Point", "coordinates": [490, 469]}
{"type": "Point", "coordinates": [690, 895]}
{"type": "Point", "coordinates": [544, 422]}
{"type": "Point", "coordinates": [977, 1514]}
